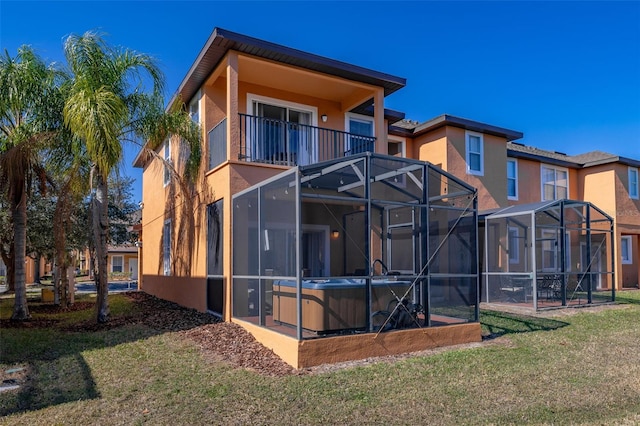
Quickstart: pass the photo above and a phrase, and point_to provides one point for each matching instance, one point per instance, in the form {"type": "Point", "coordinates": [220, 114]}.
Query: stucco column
{"type": "Point", "coordinates": [378, 122]}
{"type": "Point", "coordinates": [233, 120]}
{"type": "Point", "coordinates": [233, 149]}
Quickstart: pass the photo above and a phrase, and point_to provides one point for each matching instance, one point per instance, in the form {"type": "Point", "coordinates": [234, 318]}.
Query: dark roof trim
{"type": "Point", "coordinates": [463, 123]}
{"type": "Point", "coordinates": [542, 159]}
{"type": "Point", "coordinates": [222, 40]}
{"type": "Point", "coordinates": [389, 114]}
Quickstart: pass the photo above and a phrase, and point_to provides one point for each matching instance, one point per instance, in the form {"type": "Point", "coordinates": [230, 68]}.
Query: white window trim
{"type": "Point", "coordinates": [401, 141]}
{"type": "Point", "coordinates": [556, 168]}
{"type": "Point", "coordinates": [631, 171]}
{"type": "Point", "coordinates": [196, 100]}
{"type": "Point", "coordinates": [167, 158]}
{"type": "Point", "coordinates": [515, 161]}
{"type": "Point", "coordinates": [468, 133]}
{"type": "Point", "coordinates": [359, 117]}
{"type": "Point", "coordinates": [550, 237]}
{"type": "Point", "coordinates": [112, 262]}
{"type": "Point", "coordinates": [514, 252]}
{"type": "Point", "coordinates": [166, 263]}
{"type": "Point", "coordinates": [281, 103]}
{"type": "Point", "coordinates": [629, 259]}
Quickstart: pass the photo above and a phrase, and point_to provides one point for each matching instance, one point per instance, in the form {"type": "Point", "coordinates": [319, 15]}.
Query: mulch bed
{"type": "Point", "coordinates": [220, 341]}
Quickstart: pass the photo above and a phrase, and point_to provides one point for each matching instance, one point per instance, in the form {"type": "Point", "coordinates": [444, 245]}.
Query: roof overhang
{"type": "Point", "coordinates": [221, 41]}
{"type": "Point", "coordinates": [463, 123]}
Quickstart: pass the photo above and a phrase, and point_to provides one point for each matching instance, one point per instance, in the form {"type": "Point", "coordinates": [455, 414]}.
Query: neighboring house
{"type": "Point", "coordinates": [288, 138]}
{"type": "Point", "coordinates": [606, 180]}
{"type": "Point", "coordinates": [122, 262]}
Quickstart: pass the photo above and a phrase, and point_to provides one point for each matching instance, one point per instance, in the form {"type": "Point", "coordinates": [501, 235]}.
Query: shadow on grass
{"type": "Point", "coordinates": [495, 324]}
{"type": "Point", "coordinates": [50, 346]}
{"type": "Point", "coordinates": [628, 296]}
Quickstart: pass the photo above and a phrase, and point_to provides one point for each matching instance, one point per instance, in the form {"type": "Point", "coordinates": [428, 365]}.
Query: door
{"type": "Point", "coordinates": [133, 269]}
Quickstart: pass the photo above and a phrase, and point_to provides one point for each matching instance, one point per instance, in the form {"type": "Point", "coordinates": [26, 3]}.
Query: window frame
{"type": "Point", "coordinates": [467, 138]}
{"type": "Point", "coordinates": [555, 169]}
{"type": "Point", "coordinates": [515, 178]}
{"type": "Point", "coordinates": [398, 141]}
{"type": "Point", "coordinates": [195, 101]}
{"type": "Point", "coordinates": [514, 252]}
{"type": "Point", "coordinates": [628, 260]}
{"type": "Point", "coordinates": [166, 154]}
{"type": "Point", "coordinates": [166, 247]}
{"type": "Point", "coordinates": [631, 171]}
{"type": "Point", "coordinates": [121, 257]}
{"type": "Point", "coordinates": [348, 116]}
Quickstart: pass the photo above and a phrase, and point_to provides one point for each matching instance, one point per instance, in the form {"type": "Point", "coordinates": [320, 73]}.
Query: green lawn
{"type": "Point", "coordinates": [577, 367]}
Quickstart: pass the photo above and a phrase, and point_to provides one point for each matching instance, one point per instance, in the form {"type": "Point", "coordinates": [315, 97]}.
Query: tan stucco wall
{"type": "Point", "coordinates": [186, 291]}
{"type": "Point", "coordinates": [431, 147]}
{"type": "Point", "coordinates": [492, 186]}
{"type": "Point", "coordinates": [309, 353]}
{"type": "Point", "coordinates": [528, 182]}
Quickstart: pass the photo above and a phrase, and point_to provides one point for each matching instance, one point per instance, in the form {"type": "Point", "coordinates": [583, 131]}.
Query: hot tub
{"type": "Point", "coordinates": [332, 305]}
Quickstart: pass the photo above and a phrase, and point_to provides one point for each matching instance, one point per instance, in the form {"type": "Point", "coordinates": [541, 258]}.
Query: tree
{"type": "Point", "coordinates": [30, 107]}
{"type": "Point", "coordinates": [109, 103]}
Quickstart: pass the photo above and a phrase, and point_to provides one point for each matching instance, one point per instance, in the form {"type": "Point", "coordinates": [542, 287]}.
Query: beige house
{"type": "Point", "coordinates": [281, 123]}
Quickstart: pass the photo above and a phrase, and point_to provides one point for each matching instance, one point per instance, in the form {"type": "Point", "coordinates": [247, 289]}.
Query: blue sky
{"type": "Point", "coordinates": [566, 74]}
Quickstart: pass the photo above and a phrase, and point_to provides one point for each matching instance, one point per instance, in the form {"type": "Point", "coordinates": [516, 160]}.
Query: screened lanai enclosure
{"type": "Point", "coordinates": [363, 244]}
{"type": "Point", "coordinates": [547, 255]}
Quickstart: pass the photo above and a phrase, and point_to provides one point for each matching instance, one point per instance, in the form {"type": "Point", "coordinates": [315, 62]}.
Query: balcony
{"type": "Point", "coordinates": [271, 141]}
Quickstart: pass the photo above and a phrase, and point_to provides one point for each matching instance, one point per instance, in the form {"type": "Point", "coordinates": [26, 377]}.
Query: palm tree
{"type": "Point", "coordinates": [108, 104]}
{"type": "Point", "coordinates": [29, 115]}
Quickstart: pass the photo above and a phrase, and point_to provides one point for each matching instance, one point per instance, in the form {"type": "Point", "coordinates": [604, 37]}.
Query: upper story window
{"type": "Point", "coordinates": [359, 125]}
{"type": "Point", "coordinates": [512, 179]}
{"type": "Point", "coordinates": [166, 154]}
{"type": "Point", "coordinates": [633, 183]}
{"type": "Point", "coordinates": [555, 183]}
{"type": "Point", "coordinates": [626, 249]}
{"type": "Point", "coordinates": [397, 148]}
{"type": "Point", "coordinates": [475, 153]}
{"type": "Point", "coordinates": [194, 108]}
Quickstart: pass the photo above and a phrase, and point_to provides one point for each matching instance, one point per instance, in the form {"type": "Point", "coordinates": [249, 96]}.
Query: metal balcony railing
{"type": "Point", "coordinates": [266, 140]}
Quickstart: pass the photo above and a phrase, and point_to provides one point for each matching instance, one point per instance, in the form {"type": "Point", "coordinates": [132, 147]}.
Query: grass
{"type": "Point", "coordinates": [577, 367]}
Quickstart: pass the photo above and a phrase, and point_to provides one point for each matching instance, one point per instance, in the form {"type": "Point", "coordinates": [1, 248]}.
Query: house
{"type": "Point", "coordinates": [310, 132]}
{"type": "Point", "coordinates": [321, 220]}
{"type": "Point", "coordinates": [122, 261]}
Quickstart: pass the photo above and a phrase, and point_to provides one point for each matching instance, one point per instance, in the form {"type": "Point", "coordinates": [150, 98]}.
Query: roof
{"type": "Point", "coordinates": [414, 129]}
{"type": "Point", "coordinates": [520, 209]}
{"type": "Point", "coordinates": [220, 41]}
{"type": "Point", "coordinates": [122, 249]}
{"type": "Point", "coordinates": [589, 159]}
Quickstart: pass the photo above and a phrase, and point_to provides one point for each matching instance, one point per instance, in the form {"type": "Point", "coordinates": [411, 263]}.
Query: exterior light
{"type": "Point", "coordinates": [335, 234]}
{"type": "Point", "coordinates": [324, 118]}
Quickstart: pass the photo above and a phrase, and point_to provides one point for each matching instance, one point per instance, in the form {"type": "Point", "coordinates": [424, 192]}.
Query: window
{"type": "Point", "coordinates": [397, 148]}
{"type": "Point", "coordinates": [514, 245]}
{"type": "Point", "coordinates": [117, 264]}
{"type": "Point", "coordinates": [167, 157]}
{"type": "Point", "coordinates": [166, 247]}
{"type": "Point", "coordinates": [475, 153]}
{"type": "Point", "coordinates": [194, 108]}
{"type": "Point", "coordinates": [359, 125]}
{"type": "Point", "coordinates": [555, 183]}
{"type": "Point", "coordinates": [512, 179]}
{"type": "Point", "coordinates": [281, 132]}
{"type": "Point", "coordinates": [626, 249]}
{"type": "Point", "coordinates": [550, 249]}
{"type": "Point", "coordinates": [633, 183]}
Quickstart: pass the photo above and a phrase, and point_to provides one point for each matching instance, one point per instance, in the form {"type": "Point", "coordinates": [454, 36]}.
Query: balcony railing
{"type": "Point", "coordinates": [266, 140]}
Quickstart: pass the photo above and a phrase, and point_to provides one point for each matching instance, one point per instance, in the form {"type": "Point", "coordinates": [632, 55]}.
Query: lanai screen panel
{"type": "Point", "coordinates": [366, 243]}
{"type": "Point", "coordinates": [549, 254]}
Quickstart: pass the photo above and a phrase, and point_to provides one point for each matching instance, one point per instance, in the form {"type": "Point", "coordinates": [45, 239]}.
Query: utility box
{"type": "Point", "coordinates": [47, 295]}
